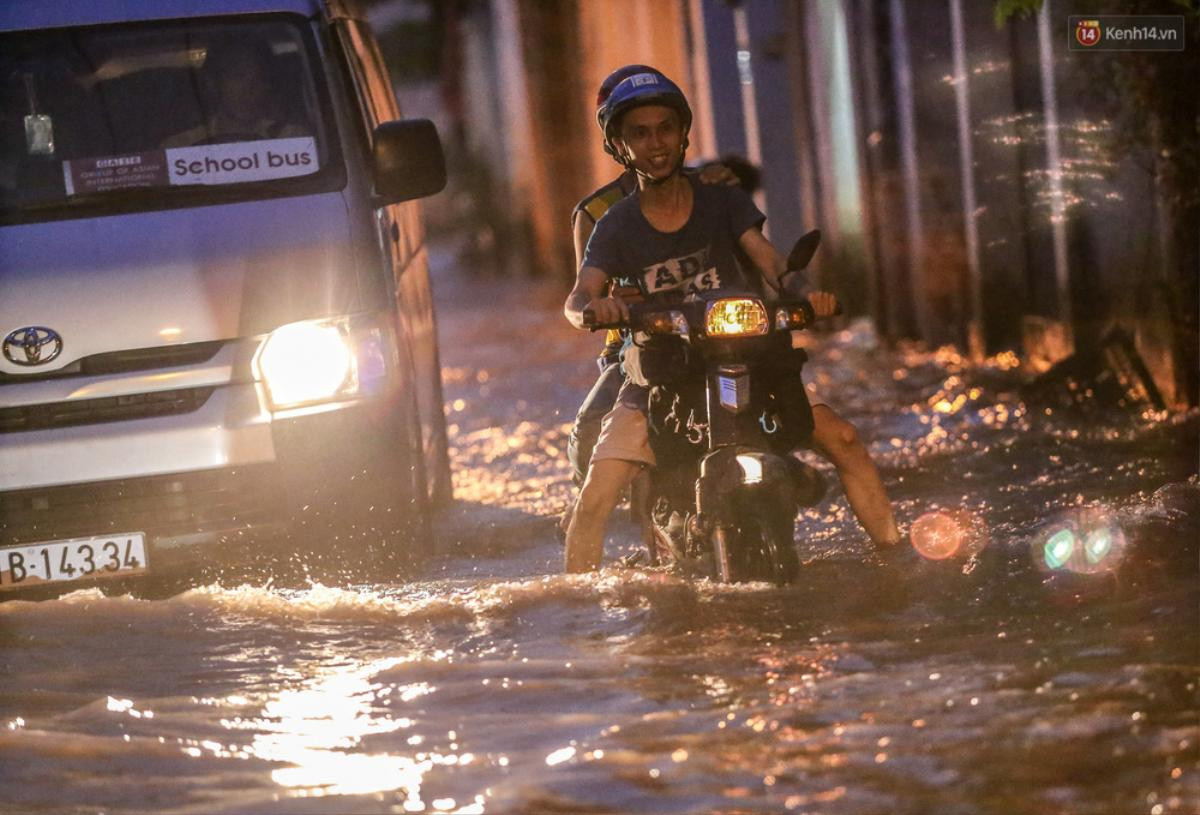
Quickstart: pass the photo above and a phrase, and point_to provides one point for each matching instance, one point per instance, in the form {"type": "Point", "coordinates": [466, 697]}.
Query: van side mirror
{"type": "Point", "coordinates": [407, 161]}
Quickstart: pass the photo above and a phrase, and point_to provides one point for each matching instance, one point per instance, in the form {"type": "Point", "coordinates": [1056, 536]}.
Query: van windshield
{"type": "Point", "coordinates": [155, 111]}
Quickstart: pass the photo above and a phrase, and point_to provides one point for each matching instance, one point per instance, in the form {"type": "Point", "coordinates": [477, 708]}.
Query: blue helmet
{"type": "Point", "coordinates": [612, 80]}
{"type": "Point", "coordinates": [647, 88]}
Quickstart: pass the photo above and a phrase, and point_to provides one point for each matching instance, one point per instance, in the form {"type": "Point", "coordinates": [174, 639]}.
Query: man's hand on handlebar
{"type": "Point", "coordinates": [606, 311]}
{"type": "Point", "coordinates": [824, 304]}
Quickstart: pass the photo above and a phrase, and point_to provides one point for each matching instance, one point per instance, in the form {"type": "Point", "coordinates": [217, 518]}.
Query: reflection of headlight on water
{"type": "Point", "coordinates": [1087, 541]}
{"type": "Point", "coordinates": [945, 534]}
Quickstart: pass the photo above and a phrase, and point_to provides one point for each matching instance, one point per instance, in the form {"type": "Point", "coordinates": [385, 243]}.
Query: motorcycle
{"type": "Point", "coordinates": [726, 408]}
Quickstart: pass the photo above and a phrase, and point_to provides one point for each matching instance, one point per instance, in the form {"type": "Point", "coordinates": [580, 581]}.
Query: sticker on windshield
{"type": "Point", "coordinates": [242, 161]}
{"type": "Point", "coordinates": [236, 163]}
{"type": "Point", "coordinates": [89, 175]}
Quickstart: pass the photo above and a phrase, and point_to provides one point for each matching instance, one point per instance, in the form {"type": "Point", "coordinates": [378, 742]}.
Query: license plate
{"type": "Point", "coordinates": [57, 561]}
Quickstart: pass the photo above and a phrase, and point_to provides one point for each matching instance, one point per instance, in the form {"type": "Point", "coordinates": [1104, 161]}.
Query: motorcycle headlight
{"type": "Point", "coordinates": [320, 360]}
{"type": "Point", "coordinates": [736, 317]}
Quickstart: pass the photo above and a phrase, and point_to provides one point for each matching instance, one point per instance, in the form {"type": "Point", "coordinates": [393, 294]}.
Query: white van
{"type": "Point", "coordinates": [217, 326]}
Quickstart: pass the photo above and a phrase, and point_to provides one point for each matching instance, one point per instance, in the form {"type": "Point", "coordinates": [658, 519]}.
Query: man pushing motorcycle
{"type": "Point", "coordinates": [674, 235]}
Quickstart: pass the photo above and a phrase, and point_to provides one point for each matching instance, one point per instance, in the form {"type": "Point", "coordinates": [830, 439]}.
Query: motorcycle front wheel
{"type": "Point", "coordinates": [768, 548]}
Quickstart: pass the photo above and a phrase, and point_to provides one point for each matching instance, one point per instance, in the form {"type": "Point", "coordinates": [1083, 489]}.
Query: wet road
{"type": "Point", "coordinates": [491, 683]}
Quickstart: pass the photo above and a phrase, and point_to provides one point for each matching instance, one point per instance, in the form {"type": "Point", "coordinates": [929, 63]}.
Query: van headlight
{"type": "Point", "coordinates": [321, 360]}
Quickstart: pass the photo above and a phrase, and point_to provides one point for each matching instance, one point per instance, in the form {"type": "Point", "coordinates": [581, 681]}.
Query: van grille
{"type": "Point", "coordinates": [160, 506]}
{"type": "Point", "coordinates": [143, 359]}
{"type": "Point", "coordinates": [136, 359]}
{"type": "Point", "coordinates": [103, 409]}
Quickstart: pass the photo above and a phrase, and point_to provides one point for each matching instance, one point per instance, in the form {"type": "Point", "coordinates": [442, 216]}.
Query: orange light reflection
{"type": "Point", "coordinates": [943, 534]}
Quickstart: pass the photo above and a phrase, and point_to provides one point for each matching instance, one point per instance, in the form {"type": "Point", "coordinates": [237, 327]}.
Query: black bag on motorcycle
{"type": "Point", "coordinates": [676, 409]}
{"type": "Point", "coordinates": [787, 399]}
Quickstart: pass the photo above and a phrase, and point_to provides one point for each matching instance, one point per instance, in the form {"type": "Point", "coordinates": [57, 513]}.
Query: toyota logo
{"type": "Point", "coordinates": [32, 345]}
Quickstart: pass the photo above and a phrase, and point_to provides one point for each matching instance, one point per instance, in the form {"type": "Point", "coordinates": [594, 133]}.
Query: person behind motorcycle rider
{"type": "Point", "coordinates": [587, 212]}
{"type": "Point", "coordinates": [677, 234]}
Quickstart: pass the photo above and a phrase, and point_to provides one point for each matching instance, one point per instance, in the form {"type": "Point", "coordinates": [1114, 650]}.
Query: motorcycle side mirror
{"type": "Point", "coordinates": [803, 251]}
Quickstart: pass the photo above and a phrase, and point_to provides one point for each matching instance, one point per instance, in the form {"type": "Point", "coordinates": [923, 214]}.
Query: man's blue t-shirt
{"type": "Point", "coordinates": [697, 257]}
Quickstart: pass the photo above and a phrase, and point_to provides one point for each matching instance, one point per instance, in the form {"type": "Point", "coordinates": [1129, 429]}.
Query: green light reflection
{"type": "Point", "coordinates": [1059, 547]}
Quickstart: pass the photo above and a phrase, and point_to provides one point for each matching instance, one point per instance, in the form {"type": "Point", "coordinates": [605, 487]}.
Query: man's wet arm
{"type": "Point", "coordinates": [581, 231]}
{"type": "Point", "coordinates": [589, 284]}
{"type": "Point", "coordinates": [762, 254]}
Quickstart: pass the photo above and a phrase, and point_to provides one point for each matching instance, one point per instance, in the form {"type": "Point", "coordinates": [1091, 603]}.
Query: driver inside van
{"type": "Point", "coordinates": [238, 75]}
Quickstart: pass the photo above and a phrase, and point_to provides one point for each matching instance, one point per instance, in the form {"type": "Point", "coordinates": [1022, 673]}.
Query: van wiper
{"type": "Point", "coordinates": [166, 195]}
{"type": "Point", "coordinates": [87, 198]}
{"type": "Point", "coordinates": [104, 197]}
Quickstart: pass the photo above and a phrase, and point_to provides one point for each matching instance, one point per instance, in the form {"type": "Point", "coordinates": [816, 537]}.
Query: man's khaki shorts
{"type": "Point", "coordinates": [624, 435]}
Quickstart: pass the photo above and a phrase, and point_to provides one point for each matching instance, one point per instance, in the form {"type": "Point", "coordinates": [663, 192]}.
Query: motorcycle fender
{"type": "Point", "coordinates": [721, 476]}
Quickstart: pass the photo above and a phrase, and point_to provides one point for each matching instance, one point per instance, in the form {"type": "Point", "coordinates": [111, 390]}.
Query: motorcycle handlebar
{"type": "Point", "coordinates": [810, 315]}
{"type": "Point", "coordinates": [637, 312]}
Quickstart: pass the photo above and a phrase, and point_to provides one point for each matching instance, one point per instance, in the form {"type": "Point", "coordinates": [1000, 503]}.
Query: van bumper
{"type": "Point", "coordinates": [252, 488]}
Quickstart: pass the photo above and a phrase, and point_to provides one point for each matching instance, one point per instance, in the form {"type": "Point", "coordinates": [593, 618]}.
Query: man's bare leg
{"type": "Point", "coordinates": [564, 523]}
{"type": "Point", "coordinates": [606, 481]}
{"type": "Point", "coordinates": [639, 503]}
{"type": "Point", "coordinates": [838, 441]}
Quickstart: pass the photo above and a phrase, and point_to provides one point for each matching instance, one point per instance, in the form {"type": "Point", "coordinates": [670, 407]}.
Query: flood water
{"type": "Point", "coordinates": [994, 683]}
